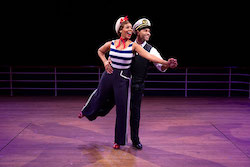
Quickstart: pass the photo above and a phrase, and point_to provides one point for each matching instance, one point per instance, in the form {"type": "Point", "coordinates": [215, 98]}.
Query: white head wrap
{"type": "Point", "coordinates": [118, 23]}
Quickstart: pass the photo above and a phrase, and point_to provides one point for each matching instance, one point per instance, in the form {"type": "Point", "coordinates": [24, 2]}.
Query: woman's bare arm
{"type": "Point", "coordinates": [102, 50]}
{"type": "Point", "coordinates": [101, 53]}
{"type": "Point", "coordinates": [142, 52]}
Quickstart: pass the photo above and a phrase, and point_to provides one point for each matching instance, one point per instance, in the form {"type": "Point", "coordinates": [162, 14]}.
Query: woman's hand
{"type": "Point", "coordinates": [172, 63]}
{"type": "Point", "coordinates": [108, 67]}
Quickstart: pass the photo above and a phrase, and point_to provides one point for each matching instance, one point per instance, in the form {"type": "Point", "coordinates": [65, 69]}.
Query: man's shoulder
{"type": "Point", "coordinates": [149, 44]}
{"type": "Point", "coordinates": [148, 47]}
{"type": "Point", "coordinates": [151, 47]}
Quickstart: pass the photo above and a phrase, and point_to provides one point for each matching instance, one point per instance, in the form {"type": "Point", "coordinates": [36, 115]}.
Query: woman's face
{"type": "Point", "coordinates": [127, 31]}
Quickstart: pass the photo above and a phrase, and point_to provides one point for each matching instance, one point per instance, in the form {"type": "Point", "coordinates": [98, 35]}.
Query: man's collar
{"type": "Point", "coordinates": [143, 44]}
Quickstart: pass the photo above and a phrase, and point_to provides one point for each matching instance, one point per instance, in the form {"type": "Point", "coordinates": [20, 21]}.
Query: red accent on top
{"type": "Point", "coordinates": [125, 19]}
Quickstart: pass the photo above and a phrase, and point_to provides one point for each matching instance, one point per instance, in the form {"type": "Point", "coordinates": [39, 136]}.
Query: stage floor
{"type": "Point", "coordinates": [175, 132]}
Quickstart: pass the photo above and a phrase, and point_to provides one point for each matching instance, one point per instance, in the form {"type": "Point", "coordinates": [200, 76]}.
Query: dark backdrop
{"type": "Point", "coordinates": [69, 33]}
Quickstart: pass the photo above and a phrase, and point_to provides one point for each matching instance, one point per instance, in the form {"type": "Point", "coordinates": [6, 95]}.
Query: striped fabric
{"type": "Point", "coordinates": [121, 59]}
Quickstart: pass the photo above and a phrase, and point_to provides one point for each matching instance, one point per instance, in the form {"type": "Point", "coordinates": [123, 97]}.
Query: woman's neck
{"type": "Point", "coordinates": [122, 41]}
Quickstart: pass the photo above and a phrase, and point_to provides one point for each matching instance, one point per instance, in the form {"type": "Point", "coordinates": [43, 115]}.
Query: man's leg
{"type": "Point", "coordinates": [135, 107]}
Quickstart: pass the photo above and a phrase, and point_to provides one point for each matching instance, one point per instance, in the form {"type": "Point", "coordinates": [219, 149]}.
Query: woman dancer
{"type": "Point", "coordinates": [116, 78]}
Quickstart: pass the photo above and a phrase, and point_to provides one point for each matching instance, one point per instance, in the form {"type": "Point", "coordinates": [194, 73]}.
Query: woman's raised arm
{"type": "Point", "coordinates": [142, 52]}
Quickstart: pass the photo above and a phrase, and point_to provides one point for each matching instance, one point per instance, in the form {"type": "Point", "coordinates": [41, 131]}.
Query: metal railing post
{"type": "Point", "coordinates": [229, 81]}
{"type": "Point", "coordinates": [249, 89]}
{"type": "Point", "coordinates": [55, 82]}
{"type": "Point", "coordinates": [11, 82]}
{"type": "Point", "coordinates": [99, 73]}
{"type": "Point", "coordinates": [186, 82]}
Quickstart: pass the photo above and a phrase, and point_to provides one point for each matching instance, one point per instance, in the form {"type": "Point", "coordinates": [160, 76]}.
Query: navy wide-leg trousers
{"type": "Point", "coordinates": [114, 87]}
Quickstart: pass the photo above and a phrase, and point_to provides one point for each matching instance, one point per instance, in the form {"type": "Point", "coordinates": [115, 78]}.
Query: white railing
{"type": "Point", "coordinates": [66, 78]}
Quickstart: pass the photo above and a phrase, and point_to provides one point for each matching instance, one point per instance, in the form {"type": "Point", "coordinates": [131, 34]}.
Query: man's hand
{"type": "Point", "coordinates": [172, 63]}
{"type": "Point", "coordinates": [108, 67]}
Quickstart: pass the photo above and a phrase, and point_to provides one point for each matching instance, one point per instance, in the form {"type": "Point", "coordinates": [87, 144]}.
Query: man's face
{"type": "Point", "coordinates": [144, 34]}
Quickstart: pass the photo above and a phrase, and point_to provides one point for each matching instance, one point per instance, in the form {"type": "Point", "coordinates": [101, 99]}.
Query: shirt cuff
{"type": "Point", "coordinates": [158, 66]}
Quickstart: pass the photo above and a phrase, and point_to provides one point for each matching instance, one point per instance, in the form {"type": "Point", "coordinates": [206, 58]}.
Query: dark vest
{"type": "Point", "coordinates": [139, 66]}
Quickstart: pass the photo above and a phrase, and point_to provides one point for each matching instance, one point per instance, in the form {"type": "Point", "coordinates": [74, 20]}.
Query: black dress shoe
{"type": "Point", "coordinates": [137, 146]}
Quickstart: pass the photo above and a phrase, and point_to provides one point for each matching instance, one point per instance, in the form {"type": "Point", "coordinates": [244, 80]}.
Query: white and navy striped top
{"type": "Point", "coordinates": [121, 59]}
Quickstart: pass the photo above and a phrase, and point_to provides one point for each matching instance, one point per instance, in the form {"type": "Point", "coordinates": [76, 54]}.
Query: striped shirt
{"type": "Point", "coordinates": [121, 59]}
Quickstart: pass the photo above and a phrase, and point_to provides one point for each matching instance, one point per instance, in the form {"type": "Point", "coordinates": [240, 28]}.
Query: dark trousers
{"type": "Point", "coordinates": [112, 87]}
{"type": "Point", "coordinates": [135, 108]}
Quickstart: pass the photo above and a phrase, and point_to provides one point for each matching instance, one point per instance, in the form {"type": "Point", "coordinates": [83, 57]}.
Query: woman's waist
{"type": "Point", "coordinates": [118, 66]}
{"type": "Point", "coordinates": [120, 70]}
{"type": "Point", "coordinates": [125, 73]}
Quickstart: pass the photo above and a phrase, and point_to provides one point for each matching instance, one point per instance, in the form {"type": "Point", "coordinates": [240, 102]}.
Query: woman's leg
{"type": "Point", "coordinates": [121, 99]}
{"type": "Point", "coordinates": [97, 99]}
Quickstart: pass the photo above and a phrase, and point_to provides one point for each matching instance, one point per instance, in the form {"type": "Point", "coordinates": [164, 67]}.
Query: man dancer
{"type": "Point", "coordinates": [139, 71]}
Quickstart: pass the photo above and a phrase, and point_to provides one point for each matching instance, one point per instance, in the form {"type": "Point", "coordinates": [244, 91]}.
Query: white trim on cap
{"type": "Point", "coordinates": [141, 23]}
